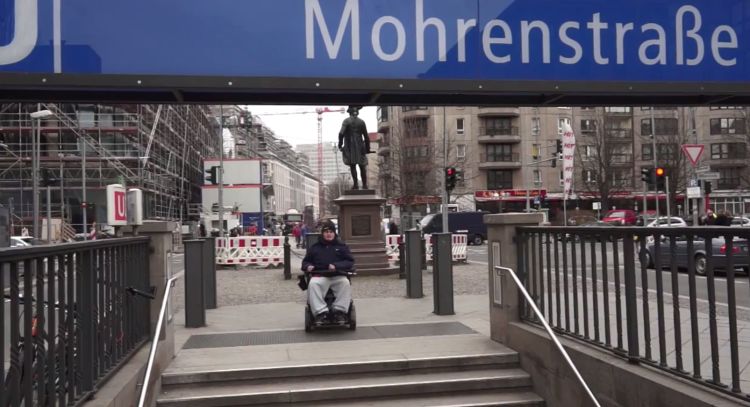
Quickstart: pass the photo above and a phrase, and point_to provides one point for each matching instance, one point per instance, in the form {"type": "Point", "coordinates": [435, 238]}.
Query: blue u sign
{"type": "Point", "coordinates": [493, 40]}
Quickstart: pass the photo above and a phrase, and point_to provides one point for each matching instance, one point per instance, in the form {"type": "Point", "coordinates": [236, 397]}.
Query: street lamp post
{"type": "Point", "coordinates": [36, 135]}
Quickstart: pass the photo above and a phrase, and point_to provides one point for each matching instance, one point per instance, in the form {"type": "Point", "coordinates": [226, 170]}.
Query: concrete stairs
{"type": "Point", "coordinates": [472, 379]}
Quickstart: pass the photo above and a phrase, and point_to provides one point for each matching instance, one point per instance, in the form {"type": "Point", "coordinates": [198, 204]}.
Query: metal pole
{"type": "Point", "coordinates": [696, 201]}
{"type": "Point", "coordinates": [446, 197]}
{"type": "Point", "coordinates": [35, 177]}
{"type": "Point", "coordinates": [262, 217]}
{"type": "Point", "coordinates": [669, 207]}
{"type": "Point", "coordinates": [62, 195]}
{"type": "Point", "coordinates": [653, 147]}
{"type": "Point", "coordinates": [85, 204]}
{"type": "Point", "coordinates": [645, 187]}
{"type": "Point", "coordinates": [49, 214]}
{"type": "Point", "coordinates": [221, 172]}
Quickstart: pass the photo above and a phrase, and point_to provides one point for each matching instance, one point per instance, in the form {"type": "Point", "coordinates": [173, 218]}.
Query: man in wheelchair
{"type": "Point", "coordinates": [327, 263]}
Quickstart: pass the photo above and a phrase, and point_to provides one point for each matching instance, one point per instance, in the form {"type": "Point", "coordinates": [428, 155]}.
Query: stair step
{"type": "Point", "coordinates": [497, 360]}
{"type": "Point", "coordinates": [338, 387]}
{"type": "Point", "coordinates": [484, 398]}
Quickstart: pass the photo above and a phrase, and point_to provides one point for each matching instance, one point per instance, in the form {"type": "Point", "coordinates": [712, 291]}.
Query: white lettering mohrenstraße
{"type": "Point", "coordinates": [652, 41]}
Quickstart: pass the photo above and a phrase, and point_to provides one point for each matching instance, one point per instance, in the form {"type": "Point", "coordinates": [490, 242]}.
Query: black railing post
{"type": "Point", "coordinates": [209, 272]}
{"type": "Point", "coordinates": [414, 245]}
{"type": "Point", "coordinates": [631, 308]}
{"type": "Point", "coordinates": [287, 259]}
{"type": "Point", "coordinates": [85, 308]}
{"type": "Point", "coordinates": [195, 308]}
{"type": "Point", "coordinates": [442, 274]}
{"type": "Point", "coordinates": [401, 258]}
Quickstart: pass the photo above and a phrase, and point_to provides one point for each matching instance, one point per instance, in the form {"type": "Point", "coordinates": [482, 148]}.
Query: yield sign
{"type": "Point", "coordinates": [693, 152]}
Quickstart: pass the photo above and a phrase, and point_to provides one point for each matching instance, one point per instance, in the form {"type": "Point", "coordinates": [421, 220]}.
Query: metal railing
{"type": "Point", "coordinates": [155, 339]}
{"type": "Point", "coordinates": [606, 286]}
{"type": "Point", "coordinates": [71, 316]}
{"type": "Point", "coordinates": [551, 333]}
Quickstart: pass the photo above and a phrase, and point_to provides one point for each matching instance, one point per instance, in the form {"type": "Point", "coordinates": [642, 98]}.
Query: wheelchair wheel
{"type": "Point", "coordinates": [352, 317]}
{"type": "Point", "coordinates": [308, 319]}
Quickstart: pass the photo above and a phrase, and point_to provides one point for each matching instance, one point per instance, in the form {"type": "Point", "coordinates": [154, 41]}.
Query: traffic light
{"type": "Point", "coordinates": [450, 178]}
{"type": "Point", "coordinates": [558, 147]}
{"type": "Point", "coordinates": [647, 175]}
{"type": "Point", "coordinates": [660, 175]}
{"type": "Point", "coordinates": [706, 187]}
{"type": "Point", "coordinates": [213, 175]}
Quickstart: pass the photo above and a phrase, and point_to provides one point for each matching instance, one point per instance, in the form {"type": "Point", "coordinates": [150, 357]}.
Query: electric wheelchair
{"type": "Point", "coordinates": [350, 317]}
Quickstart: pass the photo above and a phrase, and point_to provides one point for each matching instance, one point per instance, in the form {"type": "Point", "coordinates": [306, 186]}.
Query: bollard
{"type": "Point", "coordinates": [195, 305]}
{"type": "Point", "coordinates": [287, 259]}
{"type": "Point", "coordinates": [442, 274]}
{"type": "Point", "coordinates": [413, 264]}
{"type": "Point", "coordinates": [209, 272]}
{"type": "Point", "coordinates": [401, 258]}
{"type": "Point", "coordinates": [311, 239]}
{"type": "Point", "coordinates": [423, 253]}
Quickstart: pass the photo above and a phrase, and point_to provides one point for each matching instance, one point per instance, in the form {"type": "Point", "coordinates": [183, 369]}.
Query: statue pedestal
{"type": "Point", "coordinates": [361, 227]}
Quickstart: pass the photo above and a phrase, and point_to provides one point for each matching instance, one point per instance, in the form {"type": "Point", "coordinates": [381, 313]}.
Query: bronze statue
{"type": "Point", "coordinates": [354, 144]}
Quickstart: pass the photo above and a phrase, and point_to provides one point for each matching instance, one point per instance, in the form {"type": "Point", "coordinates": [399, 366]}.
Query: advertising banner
{"type": "Point", "coordinates": [569, 149]}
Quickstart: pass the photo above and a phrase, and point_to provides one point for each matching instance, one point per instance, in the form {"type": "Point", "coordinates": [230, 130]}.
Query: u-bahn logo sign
{"type": "Point", "coordinates": [545, 44]}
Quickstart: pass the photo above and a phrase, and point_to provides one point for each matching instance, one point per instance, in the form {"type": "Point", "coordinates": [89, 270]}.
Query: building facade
{"type": "Point", "coordinates": [84, 147]}
{"type": "Point", "coordinates": [509, 160]}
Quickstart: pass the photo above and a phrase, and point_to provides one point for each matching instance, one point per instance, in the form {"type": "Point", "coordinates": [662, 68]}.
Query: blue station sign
{"type": "Point", "coordinates": [441, 46]}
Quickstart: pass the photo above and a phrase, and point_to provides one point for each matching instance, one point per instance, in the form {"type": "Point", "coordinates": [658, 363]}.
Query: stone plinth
{"type": "Point", "coordinates": [360, 226]}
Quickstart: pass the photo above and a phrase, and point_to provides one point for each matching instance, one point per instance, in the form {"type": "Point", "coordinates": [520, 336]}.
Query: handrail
{"type": "Point", "coordinates": [155, 338]}
{"type": "Point", "coordinates": [549, 331]}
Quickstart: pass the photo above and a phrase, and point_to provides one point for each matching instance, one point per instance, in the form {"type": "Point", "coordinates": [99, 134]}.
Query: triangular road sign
{"type": "Point", "coordinates": [693, 152]}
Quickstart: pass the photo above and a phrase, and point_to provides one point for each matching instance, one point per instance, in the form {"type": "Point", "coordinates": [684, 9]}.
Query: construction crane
{"type": "Point", "coordinates": [319, 111]}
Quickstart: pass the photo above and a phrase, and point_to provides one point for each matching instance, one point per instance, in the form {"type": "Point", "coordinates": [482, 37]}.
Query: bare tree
{"type": "Point", "coordinates": [671, 133]}
{"type": "Point", "coordinates": [604, 150]}
{"type": "Point", "coordinates": [333, 191]}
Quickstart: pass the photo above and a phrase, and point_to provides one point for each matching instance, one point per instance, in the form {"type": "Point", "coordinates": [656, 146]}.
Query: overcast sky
{"type": "Point", "coordinates": [290, 123]}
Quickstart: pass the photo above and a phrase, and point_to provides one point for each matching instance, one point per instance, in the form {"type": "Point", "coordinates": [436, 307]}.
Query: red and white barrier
{"type": "Point", "coordinates": [391, 246]}
{"type": "Point", "coordinates": [458, 247]}
{"type": "Point", "coordinates": [250, 250]}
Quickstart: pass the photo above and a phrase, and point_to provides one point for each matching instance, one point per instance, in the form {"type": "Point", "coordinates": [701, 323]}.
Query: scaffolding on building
{"type": "Point", "coordinates": [157, 148]}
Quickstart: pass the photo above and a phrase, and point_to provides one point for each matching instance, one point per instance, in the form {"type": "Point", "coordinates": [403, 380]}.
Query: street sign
{"type": "Point", "coordinates": [693, 192]}
{"type": "Point", "coordinates": [692, 183]}
{"type": "Point", "coordinates": [693, 152]}
{"type": "Point", "coordinates": [709, 175]}
{"type": "Point", "coordinates": [474, 46]}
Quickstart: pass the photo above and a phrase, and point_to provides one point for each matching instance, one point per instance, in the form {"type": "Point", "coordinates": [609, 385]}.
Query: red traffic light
{"type": "Point", "coordinates": [450, 171]}
{"type": "Point", "coordinates": [660, 172]}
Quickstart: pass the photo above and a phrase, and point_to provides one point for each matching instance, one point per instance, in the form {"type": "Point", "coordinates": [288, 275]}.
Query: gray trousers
{"type": "Point", "coordinates": [318, 287]}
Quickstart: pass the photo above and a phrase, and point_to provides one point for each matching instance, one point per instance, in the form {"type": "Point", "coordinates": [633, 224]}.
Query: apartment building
{"type": "Point", "coordinates": [509, 161]}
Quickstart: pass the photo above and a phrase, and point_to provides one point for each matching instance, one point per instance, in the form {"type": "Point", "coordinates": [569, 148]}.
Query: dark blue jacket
{"type": "Point", "coordinates": [323, 253]}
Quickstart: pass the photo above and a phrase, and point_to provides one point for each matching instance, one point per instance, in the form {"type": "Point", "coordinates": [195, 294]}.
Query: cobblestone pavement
{"type": "Point", "coordinates": [250, 285]}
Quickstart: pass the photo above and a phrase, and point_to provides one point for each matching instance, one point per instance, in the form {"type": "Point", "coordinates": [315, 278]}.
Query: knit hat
{"type": "Point", "coordinates": [328, 225]}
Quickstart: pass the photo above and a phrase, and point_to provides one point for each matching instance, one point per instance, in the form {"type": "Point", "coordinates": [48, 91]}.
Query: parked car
{"type": "Point", "coordinates": [582, 220]}
{"type": "Point", "coordinates": [620, 217]}
{"type": "Point", "coordinates": [20, 241]}
{"type": "Point", "coordinates": [664, 221]}
{"type": "Point", "coordinates": [680, 257]}
{"type": "Point", "coordinates": [469, 223]}
{"type": "Point", "coordinates": [740, 221]}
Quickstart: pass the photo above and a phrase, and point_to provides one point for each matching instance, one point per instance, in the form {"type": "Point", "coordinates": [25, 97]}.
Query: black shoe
{"type": "Point", "coordinates": [321, 318]}
{"type": "Point", "coordinates": [339, 318]}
